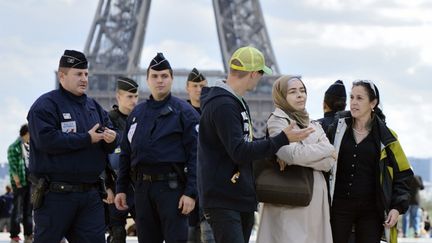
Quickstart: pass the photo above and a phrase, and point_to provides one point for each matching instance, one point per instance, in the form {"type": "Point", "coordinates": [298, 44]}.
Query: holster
{"type": "Point", "coordinates": [102, 188]}
{"type": "Point", "coordinates": [38, 192]}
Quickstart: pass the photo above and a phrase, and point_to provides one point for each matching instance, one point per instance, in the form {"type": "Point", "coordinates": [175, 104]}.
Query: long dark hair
{"type": "Point", "coordinates": [373, 93]}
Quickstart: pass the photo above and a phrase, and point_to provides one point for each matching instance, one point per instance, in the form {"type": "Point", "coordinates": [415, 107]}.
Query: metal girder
{"type": "Point", "coordinates": [116, 39]}
{"type": "Point", "coordinates": [117, 35]}
{"type": "Point", "coordinates": [240, 23]}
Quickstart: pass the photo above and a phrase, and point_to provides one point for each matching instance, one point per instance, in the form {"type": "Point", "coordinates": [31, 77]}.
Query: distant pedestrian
{"type": "Point", "coordinates": [6, 205]}
{"type": "Point", "coordinates": [18, 158]}
{"type": "Point", "coordinates": [413, 217]}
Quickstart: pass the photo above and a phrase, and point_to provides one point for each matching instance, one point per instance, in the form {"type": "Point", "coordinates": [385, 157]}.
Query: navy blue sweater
{"type": "Point", "coordinates": [224, 147]}
{"type": "Point", "coordinates": [60, 144]}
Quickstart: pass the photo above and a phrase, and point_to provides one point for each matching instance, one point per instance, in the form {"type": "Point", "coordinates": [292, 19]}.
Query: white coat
{"type": "Point", "coordinates": [285, 224]}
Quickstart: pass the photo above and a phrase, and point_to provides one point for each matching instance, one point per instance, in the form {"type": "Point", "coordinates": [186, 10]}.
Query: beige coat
{"type": "Point", "coordinates": [288, 224]}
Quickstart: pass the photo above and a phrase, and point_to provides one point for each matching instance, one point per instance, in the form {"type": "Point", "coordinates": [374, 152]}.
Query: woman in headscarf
{"type": "Point", "coordinates": [369, 184]}
{"type": "Point", "coordinates": [285, 223]}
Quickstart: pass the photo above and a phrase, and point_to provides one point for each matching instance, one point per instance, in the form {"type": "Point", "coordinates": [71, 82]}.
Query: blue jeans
{"type": "Point", "coordinates": [411, 219]}
{"type": "Point", "coordinates": [230, 226]}
{"type": "Point", "coordinates": [201, 234]}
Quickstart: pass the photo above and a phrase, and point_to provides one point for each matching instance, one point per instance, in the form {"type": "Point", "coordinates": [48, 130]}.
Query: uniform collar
{"type": "Point", "coordinates": [79, 99]}
{"type": "Point", "coordinates": [157, 104]}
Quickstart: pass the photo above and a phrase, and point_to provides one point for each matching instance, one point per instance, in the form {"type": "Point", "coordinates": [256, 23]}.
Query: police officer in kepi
{"type": "Point", "coordinates": [127, 98]}
{"type": "Point", "coordinates": [199, 228]}
{"type": "Point", "coordinates": [159, 155]}
{"type": "Point", "coordinates": [70, 136]}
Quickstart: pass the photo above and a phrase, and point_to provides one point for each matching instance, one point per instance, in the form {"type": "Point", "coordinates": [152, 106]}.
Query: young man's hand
{"type": "Point", "coordinates": [297, 135]}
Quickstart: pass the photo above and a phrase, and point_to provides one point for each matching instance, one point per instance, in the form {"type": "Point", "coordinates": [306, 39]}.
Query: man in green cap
{"type": "Point", "coordinates": [226, 149]}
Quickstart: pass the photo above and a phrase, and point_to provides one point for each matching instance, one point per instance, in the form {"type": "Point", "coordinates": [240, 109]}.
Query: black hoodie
{"type": "Point", "coordinates": [224, 148]}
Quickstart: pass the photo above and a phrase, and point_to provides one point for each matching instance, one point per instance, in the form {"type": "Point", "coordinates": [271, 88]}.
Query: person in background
{"type": "Point", "coordinates": [426, 224]}
{"type": "Point", "coordinates": [18, 158]}
{"type": "Point", "coordinates": [412, 218]}
{"type": "Point", "coordinates": [71, 137]}
{"type": "Point", "coordinates": [226, 148]}
{"type": "Point", "coordinates": [199, 228]}
{"type": "Point", "coordinates": [334, 101]}
{"type": "Point", "coordinates": [369, 183]}
{"type": "Point", "coordinates": [6, 205]}
{"type": "Point", "coordinates": [127, 99]}
{"type": "Point", "coordinates": [286, 223]}
{"type": "Point", "coordinates": [158, 154]}
{"type": "Point", "coordinates": [194, 84]}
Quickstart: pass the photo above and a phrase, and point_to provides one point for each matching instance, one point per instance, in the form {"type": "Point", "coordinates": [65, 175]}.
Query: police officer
{"type": "Point", "coordinates": [159, 148]}
{"type": "Point", "coordinates": [199, 230]}
{"type": "Point", "coordinates": [70, 137]}
{"type": "Point", "coordinates": [194, 84]}
{"type": "Point", "coordinates": [334, 101]}
{"type": "Point", "coordinates": [127, 98]}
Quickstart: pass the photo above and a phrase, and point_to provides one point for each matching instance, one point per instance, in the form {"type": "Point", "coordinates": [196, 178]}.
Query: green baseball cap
{"type": "Point", "coordinates": [250, 59]}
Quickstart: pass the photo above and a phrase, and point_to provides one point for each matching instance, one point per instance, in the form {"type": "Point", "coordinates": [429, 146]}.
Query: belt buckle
{"type": "Point", "coordinates": [147, 178]}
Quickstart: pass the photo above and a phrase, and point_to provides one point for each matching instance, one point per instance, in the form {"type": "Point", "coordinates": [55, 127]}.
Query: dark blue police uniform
{"type": "Point", "coordinates": [62, 152]}
{"type": "Point", "coordinates": [117, 218]}
{"type": "Point", "coordinates": [159, 148]}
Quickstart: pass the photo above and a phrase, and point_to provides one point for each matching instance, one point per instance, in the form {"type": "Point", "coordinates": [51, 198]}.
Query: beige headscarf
{"type": "Point", "coordinates": [279, 93]}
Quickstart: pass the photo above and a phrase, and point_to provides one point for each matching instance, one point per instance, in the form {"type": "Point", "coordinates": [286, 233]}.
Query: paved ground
{"type": "Point", "coordinates": [4, 238]}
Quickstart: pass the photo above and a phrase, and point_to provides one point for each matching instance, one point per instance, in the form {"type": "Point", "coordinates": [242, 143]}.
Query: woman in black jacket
{"type": "Point", "coordinates": [369, 182]}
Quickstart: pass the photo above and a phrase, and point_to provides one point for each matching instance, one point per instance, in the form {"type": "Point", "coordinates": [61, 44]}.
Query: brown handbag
{"type": "Point", "coordinates": [293, 186]}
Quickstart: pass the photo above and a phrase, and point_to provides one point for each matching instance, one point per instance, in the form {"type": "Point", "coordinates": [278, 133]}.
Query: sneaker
{"type": "Point", "coordinates": [15, 239]}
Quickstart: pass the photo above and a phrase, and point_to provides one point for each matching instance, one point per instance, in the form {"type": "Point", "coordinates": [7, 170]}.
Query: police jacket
{"type": "Point", "coordinates": [160, 133]}
{"type": "Point", "coordinates": [61, 146]}
{"type": "Point", "coordinates": [394, 169]}
{"type": "Point", "coordinates": [327, 120]}
{"type": "Point", "coordinates": [225, 147]}
{"type": "Point", "coordinates": [118, 120]}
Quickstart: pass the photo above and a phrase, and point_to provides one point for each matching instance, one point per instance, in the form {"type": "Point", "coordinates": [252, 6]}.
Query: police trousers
{"type": "Point", "coordinates": [77, 216]}
{"type": "Point", "coordinates": [157, 215]}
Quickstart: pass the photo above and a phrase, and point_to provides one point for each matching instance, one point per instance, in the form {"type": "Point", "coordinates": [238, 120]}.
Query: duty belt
{"type": "Point", "coordinates": [66, 187]}
{"type": "Point", "coordinates": [156, 177]}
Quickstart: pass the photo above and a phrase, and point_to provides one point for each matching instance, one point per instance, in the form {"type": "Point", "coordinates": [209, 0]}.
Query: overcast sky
{"type": "Point", "coordinates": [322, 40]}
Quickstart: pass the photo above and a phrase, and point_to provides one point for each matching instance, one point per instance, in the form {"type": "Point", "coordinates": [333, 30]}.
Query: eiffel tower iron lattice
{"type": "Point", "coordinates": [116, 39]}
